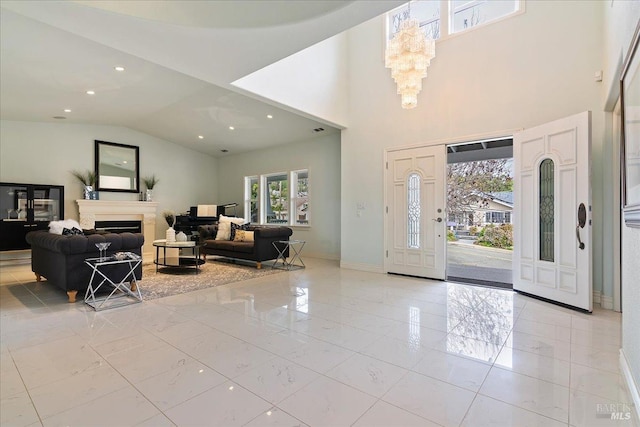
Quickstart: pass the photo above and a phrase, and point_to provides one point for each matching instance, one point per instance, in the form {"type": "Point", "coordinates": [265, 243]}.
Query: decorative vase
{"type": "Point", "coordinates": [149, 196]}
{"type": "Point", "coordinates": [88, 189]}
{"type": "Point", "coordinates": [181, 237]}
{"type": "Point", "coordinates": [171, 234]}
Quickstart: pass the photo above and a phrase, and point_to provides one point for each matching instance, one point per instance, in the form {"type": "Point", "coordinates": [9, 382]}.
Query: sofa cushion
{"type": "Point", "coordinates": [229, 246]}
{"type": "Point", "coordinates": [243, 236]}
{"type": "Point", "coordinates": [224, 231]}
{"type": "Point", "coordinates": [235, 227]}
{"type": "Point", "coordinates": [74, 231]}
{"type": "Point", "coordinates": [56, 227]}
{"type": "Point", "coordinates": [233, 219]}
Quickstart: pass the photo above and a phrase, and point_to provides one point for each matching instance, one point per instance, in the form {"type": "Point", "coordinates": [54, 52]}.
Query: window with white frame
{"type": "Point", "coordinates": [275, 194]}
{"type": "Point", "coordinates": [426, 12]}
{"type": "Point", "coordinates": [278, 198]}
{"type": "Point", "coordinates": [251, 193]}
{"type": "Point", "coordinates": [497, 217]}
{"type": "Point", "coordinates": [300, 196]}
{"type": "Point", "coordinates": [461, 14]}
{"type": "Point", "coordinates": [464, 14]}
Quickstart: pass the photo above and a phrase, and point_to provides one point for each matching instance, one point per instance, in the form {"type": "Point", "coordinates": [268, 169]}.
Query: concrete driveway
{"type": "Point", "coordinates": [478, 263]}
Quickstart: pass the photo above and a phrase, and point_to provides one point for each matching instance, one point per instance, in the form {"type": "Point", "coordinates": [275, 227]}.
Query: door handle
{"type": "Point", "coordinates": [582, 220]}
{"type": "Point", "coordinates": [580, 243]}
{"type": "Point", "coordinates": [437, 219]}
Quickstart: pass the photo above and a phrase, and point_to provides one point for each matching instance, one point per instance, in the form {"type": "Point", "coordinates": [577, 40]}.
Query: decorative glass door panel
{"type": "Point", "coordinates": [25, 208]}
{"type": "Point", "coordinates": [413, 209]}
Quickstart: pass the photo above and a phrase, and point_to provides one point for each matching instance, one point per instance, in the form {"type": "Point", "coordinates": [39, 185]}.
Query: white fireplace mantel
{"type": "Point", "coordinates": [117, 210]}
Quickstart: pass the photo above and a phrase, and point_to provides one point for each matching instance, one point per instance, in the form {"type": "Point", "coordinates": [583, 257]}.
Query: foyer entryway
{"type": "Point", "coordinates": [480, 212]}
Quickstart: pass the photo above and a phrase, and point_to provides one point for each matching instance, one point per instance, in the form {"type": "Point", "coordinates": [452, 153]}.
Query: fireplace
{"type": "Point", "coordinates": [119, 226]}
{"type": "Point", "coordinates": [144, 213]}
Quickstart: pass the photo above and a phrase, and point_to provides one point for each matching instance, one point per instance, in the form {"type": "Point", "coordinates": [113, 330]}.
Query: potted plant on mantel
{"type": "Point", "coordinates": [149, 182]}
{"type": "Point", "coordinates": [88, 179]}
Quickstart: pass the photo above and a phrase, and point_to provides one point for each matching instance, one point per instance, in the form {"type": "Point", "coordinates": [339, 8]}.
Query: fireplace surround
{"type": "Point", "coordinates": [120, 210]}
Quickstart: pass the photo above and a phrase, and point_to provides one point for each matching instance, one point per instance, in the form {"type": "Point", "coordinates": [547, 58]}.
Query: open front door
{"type": "Point", "coordinates": [416, 219]}
{"type": "Point", "coordinates": [552, 235]}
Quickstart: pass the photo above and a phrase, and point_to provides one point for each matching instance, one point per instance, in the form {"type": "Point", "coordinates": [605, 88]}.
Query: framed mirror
{"type": "Point", "coordinates": [117, 167]}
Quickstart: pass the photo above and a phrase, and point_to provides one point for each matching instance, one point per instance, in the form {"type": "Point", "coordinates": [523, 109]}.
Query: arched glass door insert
{"type": "Point", "coordinates": [546, 197]}
{"type": "Point", "coordinates": [413, 211]}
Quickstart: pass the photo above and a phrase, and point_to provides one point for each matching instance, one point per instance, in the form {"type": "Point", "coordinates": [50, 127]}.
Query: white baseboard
{"type": "Point", "coordinates": [606, 302]}
{"type": "Point", "coordinates": [361, 267]}
{"type": "Point", "coordinates": [320, 255]}
{"type": "Point", "coordinates": [596, 297]}
{"type": "Point", "coordinates": [631, 384]}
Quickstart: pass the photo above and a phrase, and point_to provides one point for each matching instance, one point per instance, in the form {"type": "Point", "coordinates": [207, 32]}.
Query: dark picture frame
{"type": "Point", "coordinates": [117, 167]}
{"type": "Point", "coordinates": [630, 149]}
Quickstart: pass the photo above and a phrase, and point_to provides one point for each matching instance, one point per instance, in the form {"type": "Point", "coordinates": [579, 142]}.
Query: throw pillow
{"type": "Point", "coordinates": [224, 231]}
{"type": "Point", "coordinates": [234, 228]}
{"type": "Point", "coordinates": [72, 232]}
{"type": "Point", "coordinates": [243, 236]}
{"type": "Point", "coordinates": [56, 227]}
{"type": "Point", "coordinates": [233, 219]}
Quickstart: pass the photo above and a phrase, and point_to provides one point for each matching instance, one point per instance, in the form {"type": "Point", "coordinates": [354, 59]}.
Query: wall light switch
{"type": "Point", "coordinates": [360, 205]}
{"type": "Point", "coordinates": [598, 76]}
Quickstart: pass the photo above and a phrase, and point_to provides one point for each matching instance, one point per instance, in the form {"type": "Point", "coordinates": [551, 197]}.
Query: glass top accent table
{"type": "Point", "coordinates": [173, 259]}
{"type": "Point", "coordinates": [294, 246]}
{"type": "Point", "coordinates": [103, 292]}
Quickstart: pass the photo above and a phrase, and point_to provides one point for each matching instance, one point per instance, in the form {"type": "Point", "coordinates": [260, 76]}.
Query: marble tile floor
{"type": "Point", "coordinates": [322, 346]}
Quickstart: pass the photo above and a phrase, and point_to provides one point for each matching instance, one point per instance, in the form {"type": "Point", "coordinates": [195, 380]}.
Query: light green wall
{"type": "Point", "coordinates": [45, 153]}
{"type": "Point", "coordinates": [321, 156]}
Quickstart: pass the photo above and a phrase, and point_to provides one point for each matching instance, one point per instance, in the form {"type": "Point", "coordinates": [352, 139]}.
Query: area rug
{"type": "Point", "coordinates": [215, 272]}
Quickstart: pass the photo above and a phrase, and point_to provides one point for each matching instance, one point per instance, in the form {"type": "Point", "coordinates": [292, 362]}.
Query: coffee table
{"type": "Point", "coordinates": [177, 261]}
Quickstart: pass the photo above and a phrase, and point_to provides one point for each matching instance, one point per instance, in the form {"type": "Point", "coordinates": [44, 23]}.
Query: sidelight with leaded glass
{"type": "Point", "coordinates": [546, 214]}
{"type": "Point", "coordinates": [413, 211]}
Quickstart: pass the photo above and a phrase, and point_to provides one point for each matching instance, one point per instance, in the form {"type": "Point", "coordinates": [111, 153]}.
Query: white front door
{"type": "Point", "coordinates": [552, 209]}
{"type": "Point", "coordinates": [415, 211]}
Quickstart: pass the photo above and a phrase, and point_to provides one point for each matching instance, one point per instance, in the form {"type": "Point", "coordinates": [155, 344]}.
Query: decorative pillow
{"type": "Point", "coordinates": [234, 228]}
{"type": "Point", "coordinates": [56, 227]}
{"type": "Point", "coordinates": [224, 231]}
{"type": "Point", "coordinates": [233, 219]}
{"type": "Point", "coordinates": [243, 236]}
{"type": "Point", "coordinates": [72, 232]}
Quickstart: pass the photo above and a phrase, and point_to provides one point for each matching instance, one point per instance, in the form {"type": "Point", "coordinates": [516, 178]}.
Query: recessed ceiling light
{"type": "Point", "coordinates": [224, 150]}
{"type": "Point", "coordinates": [91, 92]}
{"type": "Point", "coordinates": [66, 110]}
{"type": "Point", "coordinates": [200, 137]}
{"type": "Point", "coordinates": [118, 68]}
{"type": "Point", "coordinates": [231, 128]}
{"type": "Point", "coordinates": [269, 116]}
{"type": "Point", "coordinates": [124, 161]}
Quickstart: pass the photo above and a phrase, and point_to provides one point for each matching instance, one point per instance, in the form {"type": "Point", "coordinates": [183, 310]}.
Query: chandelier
{"type": "Point", "coordinates": [408, 55]}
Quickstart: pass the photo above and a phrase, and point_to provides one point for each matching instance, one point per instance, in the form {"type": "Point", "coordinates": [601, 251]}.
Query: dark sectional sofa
{"type": "Point", "coordinates": [261, 249]}
{"type": "Point", "coordinates": [60, 259]}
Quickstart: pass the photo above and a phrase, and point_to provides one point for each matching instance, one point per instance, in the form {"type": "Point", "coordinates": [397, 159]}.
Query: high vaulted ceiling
{"type": "Point", "coordinates": [180, 58]}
